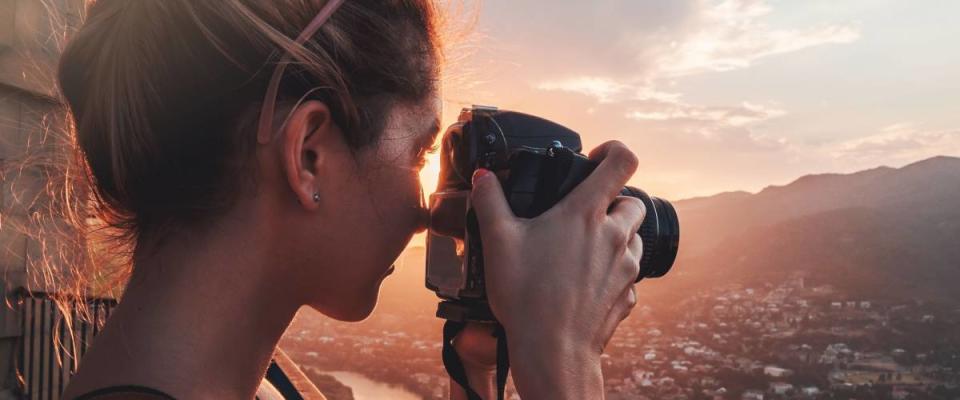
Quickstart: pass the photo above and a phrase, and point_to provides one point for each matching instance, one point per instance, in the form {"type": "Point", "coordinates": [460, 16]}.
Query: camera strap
{"type": "Point", "coordinates": [454, 365]}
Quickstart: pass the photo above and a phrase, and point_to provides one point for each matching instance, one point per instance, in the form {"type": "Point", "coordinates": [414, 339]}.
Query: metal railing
{"type": "Point", "coordinates": [52, 342]}
{"type": "Point", "coordinates": [50, 348]}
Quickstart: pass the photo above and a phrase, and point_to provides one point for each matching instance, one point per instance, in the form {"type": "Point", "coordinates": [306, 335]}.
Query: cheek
{"type": "Point", "coordinates": [387, 201]}
{"type": "Point", "coordinates": [376, 212]}
{"type": "Point", "coordinates": [397, 190]}
{"type": "Point", "coordinates": [398, 200]}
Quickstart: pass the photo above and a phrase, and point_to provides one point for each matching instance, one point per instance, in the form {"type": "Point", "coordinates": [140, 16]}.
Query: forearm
{"type": "Point", "coordinates": [563, 372]}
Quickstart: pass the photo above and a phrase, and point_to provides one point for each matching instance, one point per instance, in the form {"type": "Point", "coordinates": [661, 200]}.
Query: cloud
{"type": "Point", "coordinates": [734, 34]}
{"type": "Point", "coordinates": [902, 142]}
{"type": "Point", "coordinates": [603, 89]}
{"type": "Point", "coordinates": [717, 36]}
{"type": "Point", "coordinates": [712, 36]}
{"type": "Point", "coordinates": [742, 115]}
{"type": "Point", "coordinates": [635, 71]}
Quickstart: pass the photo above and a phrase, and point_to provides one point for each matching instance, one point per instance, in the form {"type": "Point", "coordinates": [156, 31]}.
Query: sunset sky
{"type": "Point", "coordinates": [723, 95]}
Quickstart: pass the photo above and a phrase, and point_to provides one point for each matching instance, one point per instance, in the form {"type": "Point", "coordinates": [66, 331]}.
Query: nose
{"type": "Point", "coordinates": [423, 213]}
{"type": "Point", "coordinates": [423, 219]}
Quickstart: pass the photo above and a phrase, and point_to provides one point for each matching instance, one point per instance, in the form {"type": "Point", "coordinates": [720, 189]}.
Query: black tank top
{"type": "Point", "coordinates": [114, 392]}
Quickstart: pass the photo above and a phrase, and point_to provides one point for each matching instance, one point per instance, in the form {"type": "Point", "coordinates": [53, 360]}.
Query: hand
{"type": "Point", "coordinates": [562, 282]}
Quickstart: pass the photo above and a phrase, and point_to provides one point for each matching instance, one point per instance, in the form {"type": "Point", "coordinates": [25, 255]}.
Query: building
{"type": "Point", "coordinates": [776, 372]}
{"type": "Point", "coordinates": [780, 388]}
{"type": "Point", "coordinates": [33, 137]}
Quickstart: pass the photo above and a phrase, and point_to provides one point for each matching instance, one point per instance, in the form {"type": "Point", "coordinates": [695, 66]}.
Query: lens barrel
{"type": "Point", "coordinates": [660, 233]}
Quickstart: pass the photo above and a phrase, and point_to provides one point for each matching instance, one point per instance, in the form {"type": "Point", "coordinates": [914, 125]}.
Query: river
{"type": "Point", "coordinates": [367, 389]}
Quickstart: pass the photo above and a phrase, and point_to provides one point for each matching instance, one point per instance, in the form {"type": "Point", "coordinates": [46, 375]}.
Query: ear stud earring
{"type": "Point", "coordinates": [316, 197]}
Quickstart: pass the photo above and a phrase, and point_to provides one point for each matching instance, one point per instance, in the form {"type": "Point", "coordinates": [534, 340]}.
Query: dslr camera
{"type": "Point", "coordinates": [537, 162]}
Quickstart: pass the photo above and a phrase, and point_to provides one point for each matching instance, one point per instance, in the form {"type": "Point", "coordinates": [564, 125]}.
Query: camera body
{"type": "Point", "coordinates": [538, 162]}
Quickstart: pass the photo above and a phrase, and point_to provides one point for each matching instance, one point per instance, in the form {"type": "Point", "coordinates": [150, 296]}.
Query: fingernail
{"type": "Point", "coordinates": [480, 173]}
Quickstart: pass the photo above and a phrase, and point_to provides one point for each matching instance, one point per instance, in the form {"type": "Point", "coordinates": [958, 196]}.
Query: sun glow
{"type": "Point", "coordinates": [430, 174]}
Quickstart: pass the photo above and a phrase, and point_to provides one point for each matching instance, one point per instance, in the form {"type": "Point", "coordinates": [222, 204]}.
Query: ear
{"type": "Point", "coordinates": [310, 138]}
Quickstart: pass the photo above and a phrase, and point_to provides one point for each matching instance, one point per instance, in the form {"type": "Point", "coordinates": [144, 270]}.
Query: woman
{"type": "Point", "coordinates": [242, 207]}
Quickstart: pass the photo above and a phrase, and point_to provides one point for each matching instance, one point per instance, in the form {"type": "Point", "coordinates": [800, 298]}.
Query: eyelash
{"type": "Point", "coordinates": [422, 160]}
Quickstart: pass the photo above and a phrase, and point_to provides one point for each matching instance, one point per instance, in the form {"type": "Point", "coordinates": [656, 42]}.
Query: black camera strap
{"type": "Point", "coordinates": [454, 365]}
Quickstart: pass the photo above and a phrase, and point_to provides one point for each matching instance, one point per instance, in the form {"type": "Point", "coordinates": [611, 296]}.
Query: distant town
{"type": "Point", "coordinates": [776, 341]}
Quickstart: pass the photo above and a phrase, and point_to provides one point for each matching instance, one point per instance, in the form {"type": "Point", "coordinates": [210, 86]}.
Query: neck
{"type": "Point", "coordinates": [200, 318]}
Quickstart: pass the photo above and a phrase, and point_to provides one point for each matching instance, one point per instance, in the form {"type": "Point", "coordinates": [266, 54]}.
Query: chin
{"type": "Point", "coordinates": [352, 311]}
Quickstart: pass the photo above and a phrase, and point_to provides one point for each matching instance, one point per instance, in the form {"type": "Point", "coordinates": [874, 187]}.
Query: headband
{"type": "Point", "coordinates": [264, 134]}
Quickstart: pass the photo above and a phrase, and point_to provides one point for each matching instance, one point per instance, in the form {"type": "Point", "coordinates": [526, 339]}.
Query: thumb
{"type": "Point", "coordinates": [488, 201]}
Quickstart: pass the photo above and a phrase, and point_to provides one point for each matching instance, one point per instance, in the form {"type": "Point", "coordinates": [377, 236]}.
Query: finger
{"type": "Point", "coordinates": [617, 165]}
{"type": "Point", "coordinates": [628, 213]}
{"type": "Point", "coordinates": [624, 272]}
{"type": "Point", "coordinates": [488, 202]}
{"type": "Point", "coordinates": [635, 247]}
{"type": "Point", "coordinates": [635, 251]}
{"type": "Point", "coordinates": [620, 311]}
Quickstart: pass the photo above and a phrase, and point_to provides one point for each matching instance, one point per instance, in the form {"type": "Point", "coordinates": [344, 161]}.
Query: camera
{"type": "Point", "coordinates": [538, 162]}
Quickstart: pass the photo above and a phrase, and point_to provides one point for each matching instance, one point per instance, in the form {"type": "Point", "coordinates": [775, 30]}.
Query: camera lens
{"type": "Point", "coordinates": [660, 233]}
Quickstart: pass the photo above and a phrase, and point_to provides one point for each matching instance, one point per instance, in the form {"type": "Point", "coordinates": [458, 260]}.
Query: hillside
{"type": "Point", "coordinates": [886, 231]}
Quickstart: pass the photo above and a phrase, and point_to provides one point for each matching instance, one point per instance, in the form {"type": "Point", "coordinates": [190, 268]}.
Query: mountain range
{"type": "Point", "coordinates": [880, 233]}
{"type": "Point", "coordinates": [889, 231]}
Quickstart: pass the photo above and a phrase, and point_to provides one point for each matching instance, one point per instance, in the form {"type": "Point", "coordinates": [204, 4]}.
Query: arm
{"type": "Point", "coordinates": [563, 372]}
{"type": "Point", "coordinates": [477, 349]}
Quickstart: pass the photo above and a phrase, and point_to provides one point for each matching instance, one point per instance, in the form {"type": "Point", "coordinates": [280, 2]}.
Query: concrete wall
{"type": "Point", "coordinates": [31, 36]}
